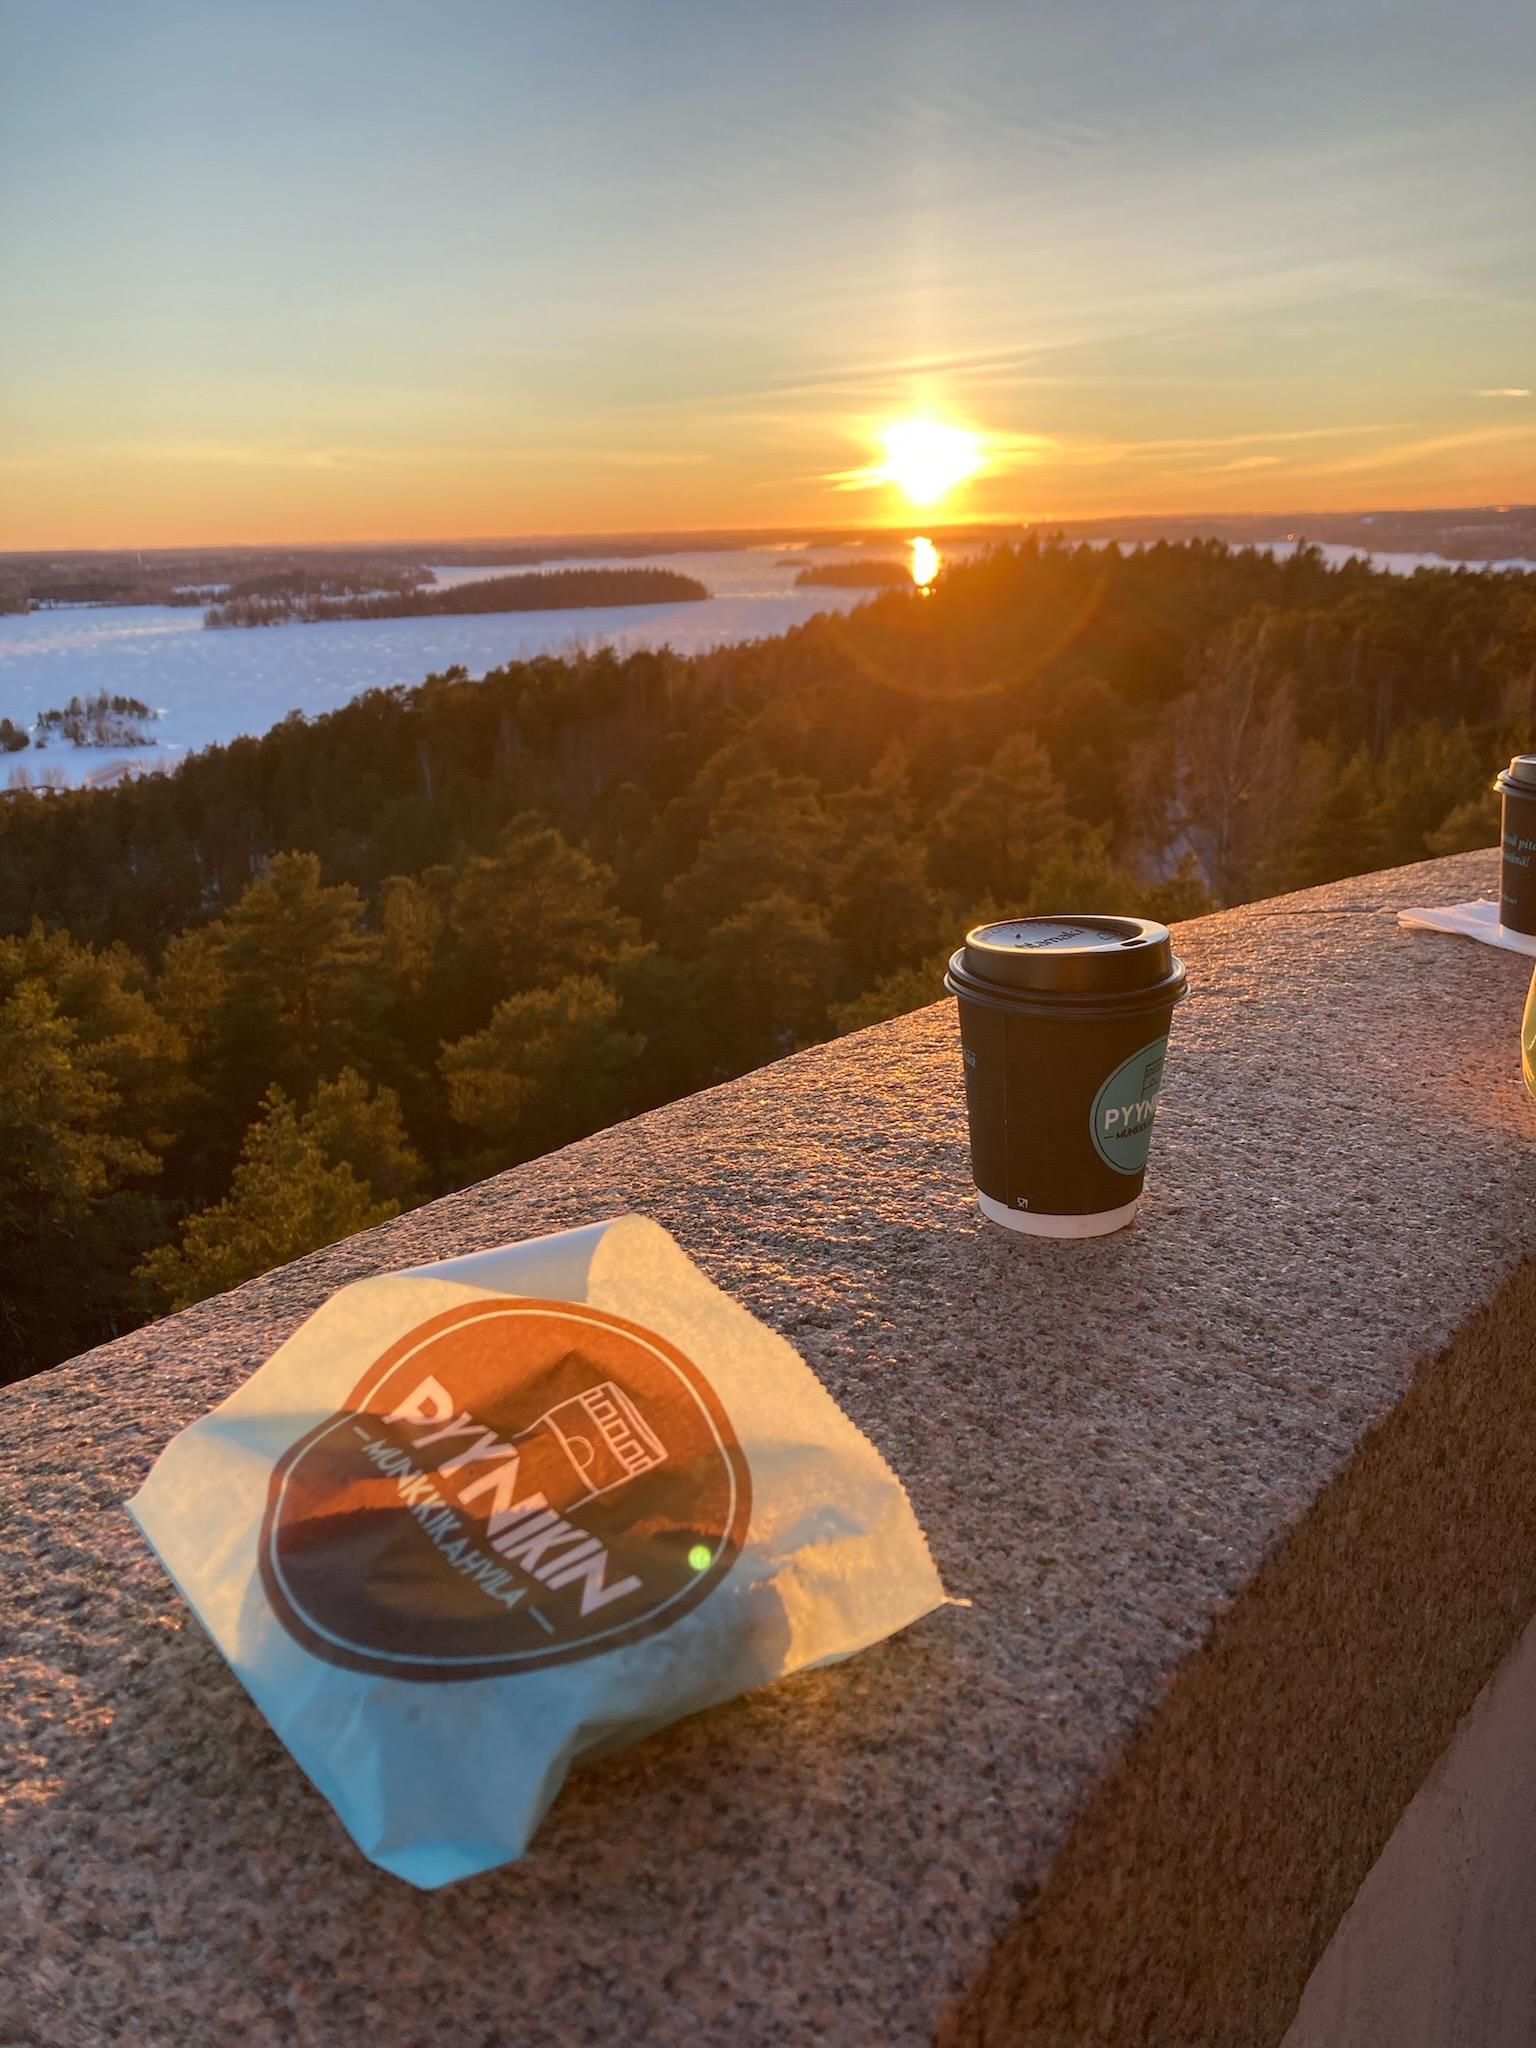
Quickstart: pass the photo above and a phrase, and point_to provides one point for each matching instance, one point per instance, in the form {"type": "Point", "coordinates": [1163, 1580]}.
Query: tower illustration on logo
{"type": "Point", "coordinates": [585, 1446]}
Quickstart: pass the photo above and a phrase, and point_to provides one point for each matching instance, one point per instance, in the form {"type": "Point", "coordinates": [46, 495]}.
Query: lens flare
{"type": "Point", "coordinates": [925, 459]}
{"type": "Point", "coordinates": [925, 562]}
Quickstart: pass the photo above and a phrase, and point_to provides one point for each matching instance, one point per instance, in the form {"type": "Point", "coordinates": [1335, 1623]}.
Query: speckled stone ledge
{"type": "Point", "coordinates": [1244, 1500]}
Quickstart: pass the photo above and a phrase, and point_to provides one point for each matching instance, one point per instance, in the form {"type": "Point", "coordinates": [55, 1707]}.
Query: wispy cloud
{"type": "Point", "coordinates": [1504, 391]}
{"type": "Point", "coordinates": [175, 453]}
{"type": "Point", "coordinates": [622, 458]}
{"type": "Point", "coordinates": [171, 454]}
{"type": "Point", "coordinates": [1006, 451]}
{"type": "Point", "coordinates": [1414, 451]}
{"type": "Point", "coordinates": [230, 455]}
{"type": "Point", "coordinates": [1091, 454]}
{"type": "Point", "coordinates": [1267, 435]}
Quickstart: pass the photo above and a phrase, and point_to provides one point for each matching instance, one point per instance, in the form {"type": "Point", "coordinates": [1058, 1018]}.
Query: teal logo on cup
{"type": "Point", "coordinates": [1125, 1107]}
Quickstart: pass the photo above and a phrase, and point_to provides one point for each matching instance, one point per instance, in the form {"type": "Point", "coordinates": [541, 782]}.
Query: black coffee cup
{"type": "Point", "coordinates": [1064, 1029]}
{"type": "Point", "coordinates": [1517, 878]}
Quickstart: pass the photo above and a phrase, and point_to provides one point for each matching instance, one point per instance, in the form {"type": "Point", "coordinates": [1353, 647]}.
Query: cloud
{"type": "Point", "coordinates": [575, 457]}
{"type": "Point", "coordinates": [173, 453]}
{"type": "Point", "coordinates": [240, 455]}
{"type": "Point", "coordinates": [1005, 451]}
{"type": "Point", "coordinates": [1504, 391]}
{"type": "Point", "coordinates": [1413, 451]}
{"type": "Point", "coordinates": [1093, 453]}
{"type": "Point", "coordinates": [202, 454]}
{"type": "Point", "coordinates": [623, 458]}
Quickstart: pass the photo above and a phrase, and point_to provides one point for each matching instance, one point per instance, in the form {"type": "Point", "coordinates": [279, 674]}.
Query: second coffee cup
{"type": "Point", "coordinates": [1064, 1030]}
{"type": "Point", "coordinates": [1517, 878]}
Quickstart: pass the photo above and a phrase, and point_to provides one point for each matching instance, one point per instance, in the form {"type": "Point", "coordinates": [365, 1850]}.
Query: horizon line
{"type": "Point", "coordinates": [783, 530]}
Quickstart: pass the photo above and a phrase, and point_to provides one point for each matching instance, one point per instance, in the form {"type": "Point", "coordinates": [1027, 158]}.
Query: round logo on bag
{"type": "Point", "coordinates": [513, 1484]}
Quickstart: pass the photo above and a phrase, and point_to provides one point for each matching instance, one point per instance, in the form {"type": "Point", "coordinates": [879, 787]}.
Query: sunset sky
{"type": "Point", "coordinates": [356, 269]}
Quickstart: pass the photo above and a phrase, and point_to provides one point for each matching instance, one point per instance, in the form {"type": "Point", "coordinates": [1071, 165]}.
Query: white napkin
{"type": "Point", "coordinates": [657, 1409]}
{"type": "Point", "coordinates": [1471, 921]}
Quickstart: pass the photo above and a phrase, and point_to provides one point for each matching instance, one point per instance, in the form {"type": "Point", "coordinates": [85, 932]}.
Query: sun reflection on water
{"type": "Point", "coordinates": [925, 562]}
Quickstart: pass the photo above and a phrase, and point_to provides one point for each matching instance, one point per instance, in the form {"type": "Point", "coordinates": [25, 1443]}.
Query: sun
{"type": "Point", "coordinates": [925, 459]}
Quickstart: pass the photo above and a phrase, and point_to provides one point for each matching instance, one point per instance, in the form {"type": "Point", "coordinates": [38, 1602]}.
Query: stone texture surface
{"type": "Point", "coordinates": [1143, 1459]}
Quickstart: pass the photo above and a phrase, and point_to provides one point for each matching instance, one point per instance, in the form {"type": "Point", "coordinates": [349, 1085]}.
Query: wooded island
{"type": "Point", "coordinates": [543, 590]}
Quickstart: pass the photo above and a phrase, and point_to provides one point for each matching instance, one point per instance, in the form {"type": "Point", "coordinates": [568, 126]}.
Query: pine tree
{"type": "Point", "coordinates": [58, 1151]}
{"type": "Point", "coordinates": [549, 1066]}
{"type": "Point", "coordinates": [301, 984]}
{"type": "Point", "coordinates": [1466, 828]}
{"type": "Point", "coordinates": [87, 1085]}
{"type": "Point", "coordinates": [1425, 773]}
{"type": "Point", "coordinates": [909, 988]}
{"type": "Point", "coordinates": [884, 915]}
{"type": "Point", "coordinates": [537, 910]}
{"type": "Point", "coordinates": [1341, 834]}
{"type": "Point", "coordinates": [411, 923]}
{"type": "Point", "coordinates": [105, 995]}
{"type": "Point", "coordinates": [302, 1181]}
{"type": "Point", "coordinates": [1005, 818]}
{"type": "Point", "coordinates": [285, 990]}
{"type": "Point", "coordinates": [361, 1127]}
{"type": "Point", "coordinates": [763, 980]}
{"type": "Point", "coordinates": [768, 832]}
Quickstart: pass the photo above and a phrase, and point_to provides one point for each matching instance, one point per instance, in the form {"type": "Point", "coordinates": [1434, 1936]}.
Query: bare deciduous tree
{"type": "Point", "coordinates": [1236, 755]}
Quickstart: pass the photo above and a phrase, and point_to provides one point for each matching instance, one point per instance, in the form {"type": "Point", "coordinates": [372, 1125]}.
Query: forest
{"type": "Point", "coordinates": [313, 978]}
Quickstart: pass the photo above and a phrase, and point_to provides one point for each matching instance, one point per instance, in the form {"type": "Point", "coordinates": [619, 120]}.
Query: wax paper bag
{"type": "Point", "coordinates": [476, 1520]}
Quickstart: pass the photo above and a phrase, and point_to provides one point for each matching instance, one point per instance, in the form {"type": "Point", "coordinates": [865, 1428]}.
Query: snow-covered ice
{"type": "Point", "coordinates": [214, 686]}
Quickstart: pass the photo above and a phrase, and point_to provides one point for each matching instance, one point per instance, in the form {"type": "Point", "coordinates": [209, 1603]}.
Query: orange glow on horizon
{"type": "Point", "coordinates": [266, 492]}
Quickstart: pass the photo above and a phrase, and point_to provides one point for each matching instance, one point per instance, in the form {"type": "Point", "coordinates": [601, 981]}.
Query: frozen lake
{"type": "Point", "coordinates": [211, 687]}
{"type": "Point", "coordinates": [1397, 563]}
{"type": "Point", "coordinates": [215, 686]}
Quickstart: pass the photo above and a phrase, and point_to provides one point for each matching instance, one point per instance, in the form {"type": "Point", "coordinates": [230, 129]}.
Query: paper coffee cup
{"type": "Point", "coordinates": [1517, 875]}
{"type": "Point", "coordinates": [1064, 1031]}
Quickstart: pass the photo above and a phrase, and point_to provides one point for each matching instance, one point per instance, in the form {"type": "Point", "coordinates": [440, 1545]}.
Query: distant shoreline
{"type": "Point", "coordinates": [189, 576]}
